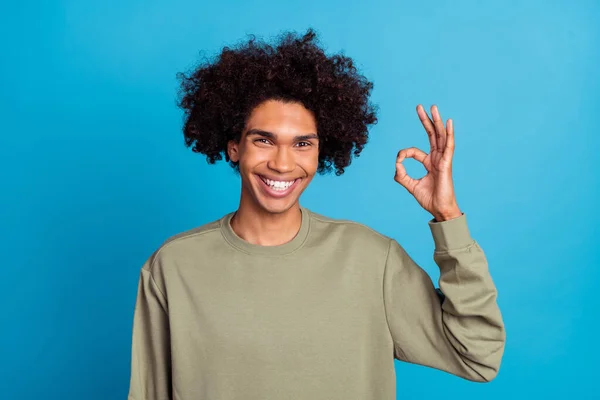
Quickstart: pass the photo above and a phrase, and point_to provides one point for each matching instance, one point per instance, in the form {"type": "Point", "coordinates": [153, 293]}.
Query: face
{"type": "Point", "coordinates": [278, 155]}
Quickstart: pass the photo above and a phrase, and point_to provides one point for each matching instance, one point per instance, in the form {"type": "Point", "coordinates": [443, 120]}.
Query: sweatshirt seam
{"type": "Point", "coordinates": [186, 236]}
{"type": "Point", "coordinates": [242, 250]}
{"type": "Point", "coordinates": [164, 297]}
{"type": "Point", "coordinates": [168, 242]}
{"type": "Point", "coordinates": [250, 253]}
{"type": "Point", "coordinates": [266, 254]}
{"type": "Point", "coordinates": [350, 222]}
{"type": "Point", "coordinates": [165, 245]}
{"type": "Point", "coordinates": [390, 240]}
{"type": "Point", "coordinates": [383, 298]}
{"type": "Point", "coordinates": [462, 248]}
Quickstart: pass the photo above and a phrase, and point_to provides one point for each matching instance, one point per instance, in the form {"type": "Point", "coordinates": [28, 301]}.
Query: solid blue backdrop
{"type": "Point", "coordinates": [95, 175]}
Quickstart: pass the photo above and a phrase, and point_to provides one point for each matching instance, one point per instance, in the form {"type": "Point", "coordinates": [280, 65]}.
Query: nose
{"type": "Point", "coordinates": [282, 161]}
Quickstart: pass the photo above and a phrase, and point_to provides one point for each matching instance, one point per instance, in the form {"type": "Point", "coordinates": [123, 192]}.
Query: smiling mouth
{"type": "Point", "coordinates": [278, 188]}
{"type": "Point", "coordinates": [278, 184]}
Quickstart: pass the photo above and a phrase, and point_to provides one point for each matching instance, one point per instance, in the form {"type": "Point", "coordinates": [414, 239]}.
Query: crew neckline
{"type": "Point", "coordinates": [297, 241]}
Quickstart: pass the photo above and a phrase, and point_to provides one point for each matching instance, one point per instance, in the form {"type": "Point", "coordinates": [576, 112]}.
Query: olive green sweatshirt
{"type": "Point", "coordinates": [322, 316]}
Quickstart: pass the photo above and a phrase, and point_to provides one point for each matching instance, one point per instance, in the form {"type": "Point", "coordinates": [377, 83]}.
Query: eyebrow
{"type": "Point", "coordinates": [271, 135]}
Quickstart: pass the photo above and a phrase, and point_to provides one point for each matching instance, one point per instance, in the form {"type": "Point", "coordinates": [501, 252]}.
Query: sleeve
{"type": "Point", "coordinates": [150, 354]}
{"type": "Point", "coordinates": [460, 332]}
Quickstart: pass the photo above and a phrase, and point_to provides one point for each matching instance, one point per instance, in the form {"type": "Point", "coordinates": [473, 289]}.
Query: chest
{"type": "Point", "coordinates": [265, 313]}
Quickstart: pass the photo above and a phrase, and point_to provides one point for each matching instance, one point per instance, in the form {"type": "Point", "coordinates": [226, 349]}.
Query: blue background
{"type": "Point", "coordinates": [95, 175]}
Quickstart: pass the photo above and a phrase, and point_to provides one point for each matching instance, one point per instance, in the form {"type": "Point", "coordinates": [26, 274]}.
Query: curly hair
{"type": "Point", "coordinates": [218, 96]}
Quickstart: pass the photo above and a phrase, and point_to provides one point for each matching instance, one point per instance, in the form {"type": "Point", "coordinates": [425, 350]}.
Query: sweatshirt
{"type": "Point", "coordinates": [322, 316]}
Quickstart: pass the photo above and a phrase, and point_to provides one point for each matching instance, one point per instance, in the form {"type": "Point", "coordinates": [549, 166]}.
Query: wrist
{"type": "Point", "coordinates": [446, 216]}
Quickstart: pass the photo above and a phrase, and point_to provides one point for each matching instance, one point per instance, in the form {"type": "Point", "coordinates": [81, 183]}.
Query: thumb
{"type": "Point", "coordinates": [402, 177]}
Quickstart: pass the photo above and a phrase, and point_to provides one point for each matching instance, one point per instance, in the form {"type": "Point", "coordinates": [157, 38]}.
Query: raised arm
{"type": "Point", "coordinates": [463, 334]}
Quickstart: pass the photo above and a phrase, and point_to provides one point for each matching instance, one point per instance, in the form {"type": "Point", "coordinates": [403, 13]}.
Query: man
{"type": "Point", "coordinates": [275, 301]}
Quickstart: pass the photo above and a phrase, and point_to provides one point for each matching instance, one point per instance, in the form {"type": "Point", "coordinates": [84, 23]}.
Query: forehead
{"type": "Point", "coordinates": [282, 118]}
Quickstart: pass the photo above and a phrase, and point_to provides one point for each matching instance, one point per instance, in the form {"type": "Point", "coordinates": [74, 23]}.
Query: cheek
{"type": "Point", "coordinates": [250, 158]}
{"type": "Point", "coordinates": [254, 155]}
{"type": "Point", "coordinates": [311, 163]}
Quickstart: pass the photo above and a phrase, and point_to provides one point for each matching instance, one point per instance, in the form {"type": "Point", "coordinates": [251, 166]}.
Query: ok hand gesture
{"type": "Point", "coordinates": [435, 191]}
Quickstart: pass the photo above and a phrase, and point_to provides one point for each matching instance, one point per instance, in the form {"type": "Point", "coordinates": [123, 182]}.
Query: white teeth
{"type": "Point", "coordinates": [278, 185]}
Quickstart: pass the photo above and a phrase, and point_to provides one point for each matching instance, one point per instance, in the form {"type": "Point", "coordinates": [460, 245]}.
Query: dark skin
{"type": "Point", "coordinates": [435, 191]}
{"type": "Point", "coordinates": [280, 142]}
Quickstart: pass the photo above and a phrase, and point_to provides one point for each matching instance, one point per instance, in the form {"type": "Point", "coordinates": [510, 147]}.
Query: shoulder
{"type": "Point", "coordinates": [189, 243]}
{"type": "Point", "coordinates": [348, 231]}
{"type": "Point", "coordinates": [191, 234]}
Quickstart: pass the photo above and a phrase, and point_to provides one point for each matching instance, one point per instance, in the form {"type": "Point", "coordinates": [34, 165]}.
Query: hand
{"type": "Point", "coordinates": [435, 191]}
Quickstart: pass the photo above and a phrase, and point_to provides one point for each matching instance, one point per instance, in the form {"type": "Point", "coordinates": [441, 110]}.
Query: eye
{"type": "Point", "coordinates": [305, 144]}
{"type": "Point", "coordinates": [262, 140]}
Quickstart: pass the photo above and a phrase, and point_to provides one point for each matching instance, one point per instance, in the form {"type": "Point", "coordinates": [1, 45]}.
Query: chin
{"type": "Point", "coordinates": [276, 208]}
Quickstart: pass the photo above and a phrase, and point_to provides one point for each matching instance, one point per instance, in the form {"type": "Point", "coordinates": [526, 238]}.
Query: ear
{"type": "Point", "coordinates": [233, 151]}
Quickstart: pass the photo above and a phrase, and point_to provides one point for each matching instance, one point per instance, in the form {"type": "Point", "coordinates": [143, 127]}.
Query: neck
{"type": "Point", "coordinates": [260, 227]}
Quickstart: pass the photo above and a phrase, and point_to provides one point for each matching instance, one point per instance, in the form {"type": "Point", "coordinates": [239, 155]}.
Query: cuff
{"type": "Point", "coordinates": [451, 234]}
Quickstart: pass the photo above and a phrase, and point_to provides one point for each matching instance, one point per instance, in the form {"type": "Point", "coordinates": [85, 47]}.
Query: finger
{"type": "Point", "coordinates": [417, 154]}
{"type": "Point", "coordinates": [402, 178]}
{"type": "Point", "coordinates": [429, 127]}
{"type": "Point", "coordinates": [411, 152]}
{"type": "Point", "coordinates": [439, 128]}
{"type": "Point", "coordinates": [449, 149]}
